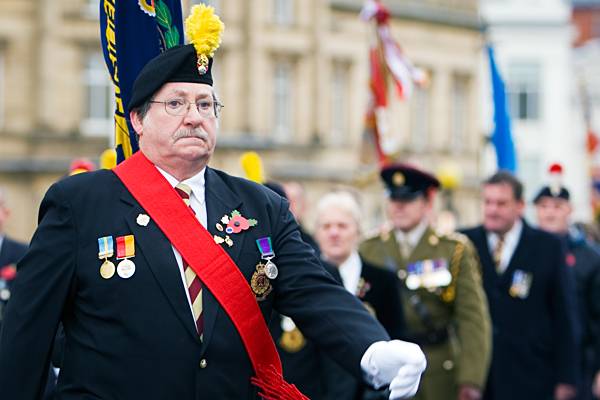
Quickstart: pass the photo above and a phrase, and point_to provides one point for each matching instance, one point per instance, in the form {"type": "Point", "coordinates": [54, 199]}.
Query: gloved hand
{"type": "Point", "coordinates": [397, 363]}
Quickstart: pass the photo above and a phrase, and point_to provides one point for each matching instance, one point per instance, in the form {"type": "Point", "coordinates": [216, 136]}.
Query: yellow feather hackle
{"type": "Point", "coordinates": [203, 29]}
{"type": "Point", "coordinates": [252, 166]}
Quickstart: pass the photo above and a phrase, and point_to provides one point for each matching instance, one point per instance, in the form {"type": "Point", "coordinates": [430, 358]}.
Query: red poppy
{"type": "Point", "coordinates": [8, 272]}
{"type": "Point", "coordinates": [237, 223]}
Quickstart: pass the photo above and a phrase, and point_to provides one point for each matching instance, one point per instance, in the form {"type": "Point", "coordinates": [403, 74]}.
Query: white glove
{"type": "Point", "coordinates": [397, 363]}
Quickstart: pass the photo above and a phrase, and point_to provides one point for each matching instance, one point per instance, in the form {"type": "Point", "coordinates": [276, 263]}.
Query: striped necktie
{"type": "Point", "coordinates": [193, 283]}
{"type": "Point", "coordinates": [498, 254]}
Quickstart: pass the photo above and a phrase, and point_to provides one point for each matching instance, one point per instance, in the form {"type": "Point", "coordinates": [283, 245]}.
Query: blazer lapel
{"type": "Point", "coordinates": [158, 254]}
{"type": "Point", "coordinates": [487, 263]}
{"type": "Point", "coordinates": [517, 256]}
{"type": "Point", "coordinates": [220, 201]}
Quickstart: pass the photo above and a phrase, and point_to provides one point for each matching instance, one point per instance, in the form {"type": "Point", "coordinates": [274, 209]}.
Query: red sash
{"type": "Point", "coordinates": [214, 267]}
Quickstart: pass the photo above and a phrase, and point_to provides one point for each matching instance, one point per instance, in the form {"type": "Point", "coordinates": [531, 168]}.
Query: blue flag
{"type": "Point", "coordinates": [133, 32]}
{"type": "Point", "coordinates": [502, 136]}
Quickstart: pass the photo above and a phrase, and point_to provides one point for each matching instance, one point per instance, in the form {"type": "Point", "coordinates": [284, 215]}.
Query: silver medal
{"type": "Point", "coordinates": [126, 268]}
{"type": "Point", "coordinates": [271, 270]}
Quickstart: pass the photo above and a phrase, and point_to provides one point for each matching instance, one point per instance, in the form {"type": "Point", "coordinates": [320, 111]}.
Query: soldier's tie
{"type": "Point", "coordinates": [498, 254]}
{"type": "Point", "coordinates": [405, 247]}
{"type": "Point", "coordinates": [194, 285]}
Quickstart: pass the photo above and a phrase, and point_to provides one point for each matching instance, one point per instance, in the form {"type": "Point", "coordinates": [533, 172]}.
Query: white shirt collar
{"type": "Point", "coordinates": [350, 271]}
{"type": "Point", "coordinates": [413, 236]}
{"type": "Point", "coordinates": [196, 182]}
{"type": "Point", "coordinates": [511, 240]}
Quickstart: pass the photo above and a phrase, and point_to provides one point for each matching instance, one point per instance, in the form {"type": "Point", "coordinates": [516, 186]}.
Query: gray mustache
{"type": "Point", "coordinates": [183, 133]}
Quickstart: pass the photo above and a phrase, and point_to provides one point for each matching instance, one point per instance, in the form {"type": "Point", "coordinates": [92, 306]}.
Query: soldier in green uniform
{"type": "Point", "coordinates": [444, 303]}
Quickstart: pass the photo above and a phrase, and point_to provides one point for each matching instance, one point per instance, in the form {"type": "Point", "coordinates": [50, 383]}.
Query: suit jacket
{"type": "Point", "coordinates": [120, 334]}
{"type": "Point", "coordinates": [534, 334]}
{"type": "Point", "coordinates": [11, 251]}
{"type": "Point", "coordinates": [380, 294]}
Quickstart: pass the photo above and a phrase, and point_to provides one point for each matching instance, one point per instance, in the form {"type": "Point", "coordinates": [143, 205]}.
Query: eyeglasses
{"type": "Point", "coordinates": [179, 107]}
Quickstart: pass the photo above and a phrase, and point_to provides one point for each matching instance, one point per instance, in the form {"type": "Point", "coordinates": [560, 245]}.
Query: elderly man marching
{"type": "Point", "coordinates": [164, 270]}
{"type": "Point", "coordinates": [444, 303]}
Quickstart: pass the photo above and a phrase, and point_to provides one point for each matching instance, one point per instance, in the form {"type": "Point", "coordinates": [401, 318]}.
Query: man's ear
{"type": "Point", "coordinates": [136, 122]}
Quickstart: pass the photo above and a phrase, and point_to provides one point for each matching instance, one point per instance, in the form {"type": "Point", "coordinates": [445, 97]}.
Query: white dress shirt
{"type": "Point", "coordinates": [511, 240]}
{"type": "Point", "coordinates": [350, 272]}
{"type": "Point", "coordinates": [198, 204]}
{"type": "Point", "coordinates": [412, 237]}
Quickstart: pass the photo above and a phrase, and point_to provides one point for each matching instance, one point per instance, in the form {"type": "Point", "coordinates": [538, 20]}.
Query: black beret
{"type": "Point", "coordinates": [405, 182]}
{"type": "Point", "coordinates": [177, 64]}
{"type": "Point", "coordinates": [546, 191]}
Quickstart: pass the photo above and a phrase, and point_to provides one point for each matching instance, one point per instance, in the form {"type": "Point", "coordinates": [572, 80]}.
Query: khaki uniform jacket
{"type": "Point", "coordinates": [461, 307]}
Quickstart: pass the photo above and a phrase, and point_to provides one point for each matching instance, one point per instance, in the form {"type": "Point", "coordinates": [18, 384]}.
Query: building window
{"type": "Point", "coordinates": [420, 109]}
{"type": "Point", "coordinates": [282, 100]}
{"type": "Point", "coordinates": [459, 114]}
{"type": "Point", "coordinates": [339, 103]}
{"type": "Point", "coordinates": [283, 12]}
{"type": "Point", "coordinates": [524, 91]}
{"type": "Point", "coordinates": [99, 97]}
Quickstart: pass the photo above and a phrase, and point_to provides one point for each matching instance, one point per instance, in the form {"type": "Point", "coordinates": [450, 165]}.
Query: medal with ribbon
{"type": "Point", "coordinates": [265, 270]}
{"type": "Point", "coordinates": [266, 253]}
{"type": "Point", "coordinates": [105, 251]}
{"type": "Point", "coordinates": [125, 250]}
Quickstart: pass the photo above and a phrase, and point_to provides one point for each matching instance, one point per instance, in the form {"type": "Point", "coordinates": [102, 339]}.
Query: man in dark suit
{"type": "Point", "coordinates": [553, 209]}
{"type": "Point", "coordinates": [11, 251]}
{"type": "Point", "coordinates": [171, 307]}
{"type": "Point", "coordinates": [530, 294]}
{"type": "Point", "coordinates": [338, 233]}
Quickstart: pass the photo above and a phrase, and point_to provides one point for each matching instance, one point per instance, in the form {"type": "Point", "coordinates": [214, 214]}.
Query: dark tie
{"type": "Point", "coordinates": [194, 285]}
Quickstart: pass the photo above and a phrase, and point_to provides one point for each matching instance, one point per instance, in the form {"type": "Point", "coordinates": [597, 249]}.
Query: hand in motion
{"type": "Point", "coordinates": [397, 363]}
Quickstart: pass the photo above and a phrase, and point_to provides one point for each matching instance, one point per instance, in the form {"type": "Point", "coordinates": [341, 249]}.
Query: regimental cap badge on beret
{"type": "Point", "coordinates": [203, 29]}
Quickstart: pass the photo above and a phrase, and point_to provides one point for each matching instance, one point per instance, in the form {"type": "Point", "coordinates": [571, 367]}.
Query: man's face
{"type": "Point", "coordinates": [407, 214]}
{"type": "Point", "coordinates": [553, 214]}
{"type": "Point", "coordinates": [500, 208]}
{"type": "Point", "coordinates": [172, 140]}
{"type": "Point", "coordinates": [337, 234]}
{"type": "Point", "coordinates": [4, 213]}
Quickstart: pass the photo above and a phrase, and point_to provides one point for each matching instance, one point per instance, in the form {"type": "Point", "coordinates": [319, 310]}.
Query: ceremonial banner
{"type": "Point", "coordinates": [133, 32]}
{"type": "Point", "coordinates": [506, 157]}
{"type": "Point", "coordinates": [386, 61]}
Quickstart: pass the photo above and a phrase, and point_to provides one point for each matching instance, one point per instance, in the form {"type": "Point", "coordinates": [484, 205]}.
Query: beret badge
{"type": "Point", "coordinates": [204, 28]}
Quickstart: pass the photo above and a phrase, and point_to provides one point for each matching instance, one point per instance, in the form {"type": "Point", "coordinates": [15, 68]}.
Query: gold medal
{"type": "Point", "coordinates": [260, 284]}
{"type": "Point", "coordinates": [292, 341]}
{"type": "Point", "coordinates": [107, 269]}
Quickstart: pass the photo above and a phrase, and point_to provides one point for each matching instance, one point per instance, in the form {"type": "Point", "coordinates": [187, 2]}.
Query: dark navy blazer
{"type": "Point", "coordinates": [534, 343]}
{"type": "Point", "coordinates": [11, 251]}
{"type": "Point", "coordinates": [135, 338]}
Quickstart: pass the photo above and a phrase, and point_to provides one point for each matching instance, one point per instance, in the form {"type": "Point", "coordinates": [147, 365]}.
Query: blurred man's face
{"type": "Point", "coordinates": [4, 213]}
{"type": "Point", "coordinates": [500, 208]}
{"type": "Point", "coordinates": [553, 214]}
{"type": "Point", "coordinates": [405, 215]}
{"type": "Point", "coordinates": [295, 194]}
{"type": "Point", "coordinates": [337, 234]}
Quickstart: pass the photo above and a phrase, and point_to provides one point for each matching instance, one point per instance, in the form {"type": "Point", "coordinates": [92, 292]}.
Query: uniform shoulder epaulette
{"type": "Point", "coordinates": [382, 233]}
{"type": "Point", "coordinates": [455, 237]}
